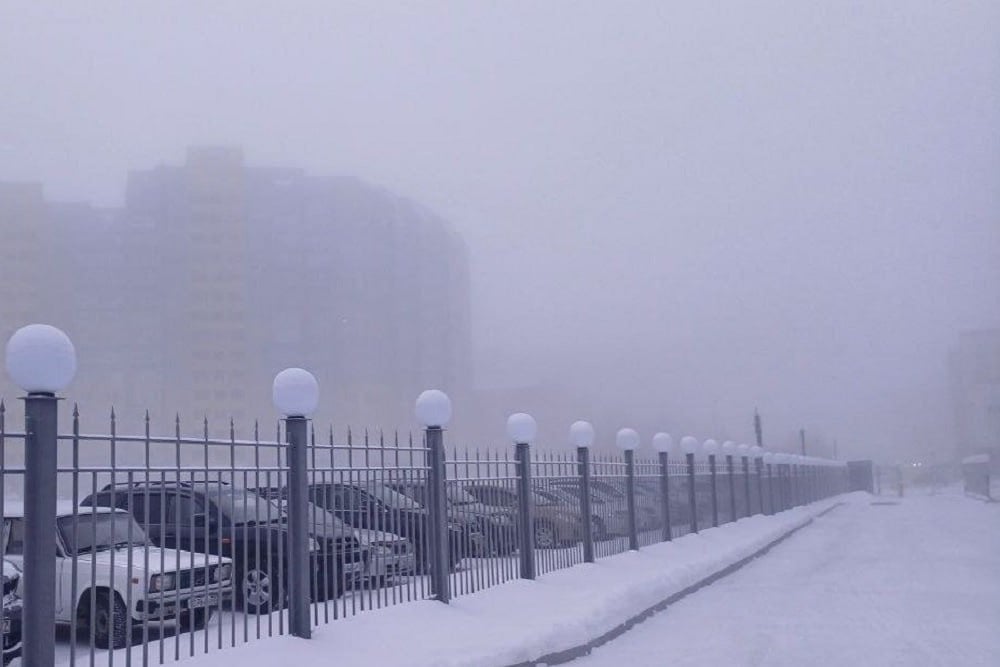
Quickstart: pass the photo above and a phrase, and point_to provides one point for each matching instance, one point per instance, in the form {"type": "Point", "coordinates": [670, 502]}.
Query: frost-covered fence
{"type": "Point", "coordinates": [170, 543]}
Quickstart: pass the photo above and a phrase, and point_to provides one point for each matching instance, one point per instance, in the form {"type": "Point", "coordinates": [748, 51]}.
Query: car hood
{"type": "Point", "coordinates": [368, 537]}
{"type": "Point", "coordinates": [160, 560]}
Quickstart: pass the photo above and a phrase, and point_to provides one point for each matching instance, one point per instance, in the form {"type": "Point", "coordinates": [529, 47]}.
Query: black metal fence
{"type": "Point", "coordinates": [174, 545]}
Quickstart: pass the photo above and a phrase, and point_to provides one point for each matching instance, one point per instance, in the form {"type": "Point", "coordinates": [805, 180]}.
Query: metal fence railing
{"type": "Point", "coordinates": [173, 545]}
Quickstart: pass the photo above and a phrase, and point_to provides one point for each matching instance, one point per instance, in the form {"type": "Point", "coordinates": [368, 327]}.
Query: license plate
{"type": "Point", "coordinates": [199, 601]}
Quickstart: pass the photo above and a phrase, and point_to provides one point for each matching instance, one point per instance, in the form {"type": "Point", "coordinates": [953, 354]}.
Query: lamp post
{"type": "Point", "coordinates": [663, 443]}
{"type": "Point", "coordinates": [627, 440]}
{"type": "Point", "coordinates": [711, 447]}
{"type": "Point", "coordinates": [729, 448]}
{"type": "Point", "coordinates": [522, 429]}
{"type": "Point", "coordinates": [581, 435]}
{"type": "Point", "coordinates": [433, 411]}
{"type": "Point", "coordinates": [295, 393]}
{"type": "Point", "coordinates": [690, 446]}
{"type": "Point", "coordinates": [41, 360]}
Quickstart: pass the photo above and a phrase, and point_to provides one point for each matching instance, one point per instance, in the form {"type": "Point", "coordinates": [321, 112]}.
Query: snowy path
{"type": "Point", "coordinates": [914, 583]}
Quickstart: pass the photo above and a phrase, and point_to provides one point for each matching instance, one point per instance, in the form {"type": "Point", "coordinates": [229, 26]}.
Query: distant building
{"type": "Point", "coordinates": [215, 275]}
{"type": "Point", "coordinates": [975, 377]}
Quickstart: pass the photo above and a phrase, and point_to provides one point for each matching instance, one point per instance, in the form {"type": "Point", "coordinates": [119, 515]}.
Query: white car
{"type": "Point", "coordinates": [389, 555]}
{"type": "Point", "coordinates": [120, 581]}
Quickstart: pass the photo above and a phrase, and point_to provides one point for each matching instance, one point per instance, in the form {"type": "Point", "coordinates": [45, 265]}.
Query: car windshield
{"type": "Point", "coordinates": [392, 498]}
{"type": "Point", "coordinates": [243, 506]}
{"type": "Point", "coordinates": [457, 496]}
{"type": "Point", "coordinates": [99, 531]}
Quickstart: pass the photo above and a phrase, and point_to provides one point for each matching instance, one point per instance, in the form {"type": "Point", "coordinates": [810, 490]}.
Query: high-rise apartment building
{"type": "Point", "coordinates": [216, 274]}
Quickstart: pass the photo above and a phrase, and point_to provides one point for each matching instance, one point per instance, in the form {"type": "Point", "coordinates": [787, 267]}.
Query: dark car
{"type": "Point", "coordinates": [496, 524]}
{"type": "Point", "coordinates": [217, 518]}
{"type": "Point", "coordinates": [376, 506]}
{"type": "Point", "coordinates": [11, 616]}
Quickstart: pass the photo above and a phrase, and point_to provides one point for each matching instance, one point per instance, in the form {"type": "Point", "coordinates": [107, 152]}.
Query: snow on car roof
{"type": "Point", "coordinates": [14, 509]}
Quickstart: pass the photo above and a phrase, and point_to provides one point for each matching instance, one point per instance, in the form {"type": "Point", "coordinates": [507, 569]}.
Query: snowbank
{"type": "Point", "coordinates": [521, 621]}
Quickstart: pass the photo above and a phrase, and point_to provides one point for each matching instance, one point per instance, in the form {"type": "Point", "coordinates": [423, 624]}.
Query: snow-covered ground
{"type": "Point", "coordinates": [911, 581]}
{"type": "Point", "coordinates": [916, 582]}
{"type": "Point", "coordinates": [522, 620]}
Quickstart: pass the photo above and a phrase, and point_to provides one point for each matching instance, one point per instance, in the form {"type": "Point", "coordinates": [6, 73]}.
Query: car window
{"type": "Point", "coordinates": [181, 508]}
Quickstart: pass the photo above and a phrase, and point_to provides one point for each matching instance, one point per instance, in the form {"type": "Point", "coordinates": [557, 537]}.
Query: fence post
{"type": "Point", "coordinates": [690, 445]}
{"type": "Point", "coordinates": [668, 533]}
{"type": "Point", "coordinates": [715, 489]}
{"type": "Point", "coordinates": [746, 477]}
{"type": "Point", "coordinates": [627, 439]}
{"type": "Point", "coordinates": [521, 428]}
{"type": "Point", "coordinates": [583, 463]}
{"type": "Point", "coordinates": [581, 434]}
{"type": "Point", "coordinates": [732, 487]}
{"type": "Point", "coordinates": [296, 394]}
{"type": "Point", "coordinates": [662, 443]}
{"type": "Point", "coordinates": [433, 411]}
{"type": "Point", "coordinates": [41, 361]}
{"type": "Point", "coordinates": [759, 465]}
{"type": "Point", "coordinates": [299, 623]}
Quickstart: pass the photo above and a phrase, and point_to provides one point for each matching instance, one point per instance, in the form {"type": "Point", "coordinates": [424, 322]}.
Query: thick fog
{"type": "Point", "coordinates": [674, 214]}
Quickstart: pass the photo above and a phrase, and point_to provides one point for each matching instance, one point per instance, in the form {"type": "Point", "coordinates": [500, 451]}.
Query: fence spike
{"type": "Point", "coordinates": [232, 429]}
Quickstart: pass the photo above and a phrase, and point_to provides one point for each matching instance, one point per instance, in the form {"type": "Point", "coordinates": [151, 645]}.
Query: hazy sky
{"type": "Point", "coordinates": [689, 209]}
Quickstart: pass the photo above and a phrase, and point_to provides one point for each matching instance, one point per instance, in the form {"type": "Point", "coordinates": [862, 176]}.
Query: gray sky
{"type": "Point", "coordinates": [689, 210]}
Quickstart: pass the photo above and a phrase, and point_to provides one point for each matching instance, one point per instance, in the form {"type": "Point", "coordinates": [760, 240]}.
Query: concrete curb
{"type": "Point", "coordinates": [567, 655]}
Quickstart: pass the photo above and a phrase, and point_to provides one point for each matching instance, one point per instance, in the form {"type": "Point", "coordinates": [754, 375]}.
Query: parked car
{"type": "Point", "coordinates": [120, 581]}
{"type": "Point", "coordinates": [377, 507]}
{"type": "Point", "coordinates": [337, 544]}
{"type": "Point", "coordinates": [218, 518]}
{"type": "Point", "coordinates": [613, 493]}
{"type": "Point", "coordinates": [495, 523]}
{"type": "Point", "coordinates": [605, 519]}
{"type": "Point", "coordinates": [12, 609]}
{"type": "Point", "coordinates": [554, 523]}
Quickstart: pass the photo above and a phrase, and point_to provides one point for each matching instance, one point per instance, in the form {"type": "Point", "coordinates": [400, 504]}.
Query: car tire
{"type": "Point", "coordinates": [257, 589]}
{"type": "Point", "coordinates": [110, 623]}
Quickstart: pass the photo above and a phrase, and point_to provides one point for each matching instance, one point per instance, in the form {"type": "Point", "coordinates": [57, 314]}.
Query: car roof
{"type": "Point", "coordinates": [14, 509]}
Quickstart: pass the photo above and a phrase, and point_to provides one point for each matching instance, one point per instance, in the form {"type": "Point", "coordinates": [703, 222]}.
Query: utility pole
{"type": "Point", "coordinates": [758, 429]}
{"type": "Point", "coordinates": [802, 439]}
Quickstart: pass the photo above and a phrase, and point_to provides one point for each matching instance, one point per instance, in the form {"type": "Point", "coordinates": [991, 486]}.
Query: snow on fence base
{"type": "Point", "coordinates": [582, 650]}
{"type": "Point", "coordinates": [559, 616]}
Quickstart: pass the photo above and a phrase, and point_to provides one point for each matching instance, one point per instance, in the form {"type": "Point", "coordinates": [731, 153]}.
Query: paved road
{"type": "Point", "coordinates": [916, 582]}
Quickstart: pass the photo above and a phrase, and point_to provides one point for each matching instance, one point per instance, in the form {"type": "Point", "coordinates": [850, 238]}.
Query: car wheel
{"type": "Point", "coordinates": [256, 591]}
{"type": "Point", "coordinates": [545, 536]}
{"type": "Point", "coordinates": [110, 622]}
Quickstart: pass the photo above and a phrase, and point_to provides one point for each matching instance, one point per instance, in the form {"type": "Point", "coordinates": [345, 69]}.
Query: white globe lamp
{"type": "Point", "coordinates": [433, 408]}
{"type": "Point", "coordinates": [41, 359]}
{"type": "Point", "coordinates": [627, 439]}
{"type": "Point", "coordinates": [295, 392]}
{"type": "Point", "coordinates": [581, 434]}
{"type": "Point", "coordinates": [521, 428]}
{"type": "Point", "coordinates": [663, 443]}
